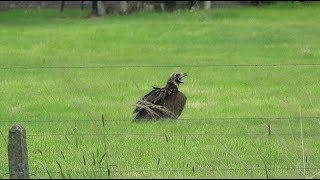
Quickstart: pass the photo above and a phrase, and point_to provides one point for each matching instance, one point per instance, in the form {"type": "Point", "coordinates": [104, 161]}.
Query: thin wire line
{"type": "Point", "coordinates": [215, 169]}
{"type": "Point", "coordinates": [159, 66]}
{"type": "Point", "coordinates": [178, 120]}
{"type": "Point", "coordinates": [164, 134]}
{"type": "Point", "coordinates": [195, 169]}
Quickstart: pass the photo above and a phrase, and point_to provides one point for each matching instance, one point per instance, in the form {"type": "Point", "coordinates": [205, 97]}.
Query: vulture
{"type": "Point", "coordinates": [162, 103]}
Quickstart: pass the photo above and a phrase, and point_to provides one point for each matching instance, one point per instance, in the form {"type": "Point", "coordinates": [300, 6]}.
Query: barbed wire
{"type": "Point", "coordinates": [158, 66]}
{"type": "Point", "coordinates": [215, 119]}
{"type": "Point", "coordinates": [268, 130]}
{"type": "Point", "coordinates": [220, 169]}
{"type": "Point", "coordinates": [191, 169]}
{"type": "Point", "coordinates": [166, 135]}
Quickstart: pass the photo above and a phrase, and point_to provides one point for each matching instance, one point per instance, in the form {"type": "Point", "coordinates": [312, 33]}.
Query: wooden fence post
{"type": "Point", "coordinates": [18, 153]}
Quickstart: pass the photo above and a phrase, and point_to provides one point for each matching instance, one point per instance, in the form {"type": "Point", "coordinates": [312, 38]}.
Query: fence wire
{"type": "Point", "coordinates": [193, 170]}
{"type": "Point", "coordinates": [159, 66]}
{"type": "Point", "coordinates": [209, 119]}
{"type": "Point", "coordinates": [170, 135]}
{"type": "Point", "coordinates": [105, 123]}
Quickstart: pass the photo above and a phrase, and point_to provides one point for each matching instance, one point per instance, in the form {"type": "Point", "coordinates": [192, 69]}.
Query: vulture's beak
{"type": "Point", "coordinates": [182, 75]}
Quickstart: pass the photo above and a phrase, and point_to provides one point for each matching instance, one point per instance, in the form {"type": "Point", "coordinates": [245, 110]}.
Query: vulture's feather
{"type": "Point", "coordinates": [162, 103]}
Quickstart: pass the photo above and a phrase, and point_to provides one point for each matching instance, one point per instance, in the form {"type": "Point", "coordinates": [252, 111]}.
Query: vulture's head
{"type": "Point", "coordinates": [176, 78]}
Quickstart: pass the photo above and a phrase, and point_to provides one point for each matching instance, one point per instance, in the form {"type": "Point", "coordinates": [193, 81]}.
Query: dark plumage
{"type": "Point", "coordinates": [163, 103]}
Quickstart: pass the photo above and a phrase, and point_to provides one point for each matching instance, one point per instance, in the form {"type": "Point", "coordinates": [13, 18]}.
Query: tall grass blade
{"type": "Point", "coordinates": [103, 120]}
{"type": "Point", "coordinates": [302, 145]}
{"type": "Point", "coordinates": [61, 171]}
{"type": "Point", "coordinates": [167, 139]}
{"type": "Point", "coordinates": [94, 159]}
{"type": "Point", "coordinates": [77, 142]}
{"type": "Point", "coordinates": [67, 139]}
{"type": "Point", "coordinates": [101, 159]}
{"type": "Point", "coordinates": [266, 169]}
{"type": "Point", "coordinates": [97, 152]}
{"type": "Point", "coordinates": [69, 175]}
{"type": "Point", "coordinates": [63, 155]}
{"type": "Point", "coordinates": [48, 173]}
{"type": "Point", "coordinates": [109, 173]}
{"type": "Point", "coordinates": [84, 160]}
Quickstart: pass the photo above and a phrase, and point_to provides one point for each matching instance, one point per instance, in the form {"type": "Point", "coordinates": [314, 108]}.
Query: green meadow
{"type": "Point", "coordinates": [253, 92]}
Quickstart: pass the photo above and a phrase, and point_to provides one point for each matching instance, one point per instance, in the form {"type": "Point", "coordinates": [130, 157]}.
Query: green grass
{"type": "Point", "coordinates": [64, 105]}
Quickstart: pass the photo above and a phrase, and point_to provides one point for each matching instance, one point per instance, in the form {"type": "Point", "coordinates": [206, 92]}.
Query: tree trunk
{"type": "Point", "coordinates": [123, 6]}
{"type": "Point", "coordinates": [207, 4]}
{"type": "Point", "coordinates": [82, 5]}
{"type": "Point", "coordinates": [94, 8]}
{"type": "Point", "coordinates": [101, 8]}
{"type": "Point", "coordinates": [62, 6]}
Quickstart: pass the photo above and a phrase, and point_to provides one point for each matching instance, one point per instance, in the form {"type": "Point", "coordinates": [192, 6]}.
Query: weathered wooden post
{"type": "Point", "coordinates": [18, 153]}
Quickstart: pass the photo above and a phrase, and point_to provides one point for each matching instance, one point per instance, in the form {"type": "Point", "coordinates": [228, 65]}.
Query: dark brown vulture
{"type": "Point", "coordinates": [162, 103]}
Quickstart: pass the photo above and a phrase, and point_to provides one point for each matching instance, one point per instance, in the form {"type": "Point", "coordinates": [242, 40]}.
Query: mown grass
{"type": "Point", "coordinates": [44, 88]}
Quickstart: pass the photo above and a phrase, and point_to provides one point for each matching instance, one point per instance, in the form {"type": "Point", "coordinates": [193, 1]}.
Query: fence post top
{"type": "Point", "coordinates": [16, 127]}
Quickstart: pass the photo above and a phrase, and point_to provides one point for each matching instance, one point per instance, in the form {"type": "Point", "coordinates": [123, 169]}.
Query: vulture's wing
{"type": "Point", "coordinates": [153, 97]}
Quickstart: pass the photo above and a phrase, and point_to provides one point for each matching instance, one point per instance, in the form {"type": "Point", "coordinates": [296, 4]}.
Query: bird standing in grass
{"type": "Point", "coordinates": [163, 103]}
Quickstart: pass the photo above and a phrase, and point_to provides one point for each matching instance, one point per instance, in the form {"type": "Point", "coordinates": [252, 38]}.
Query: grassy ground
{"type": "Point", "coordinates": [60, 72]}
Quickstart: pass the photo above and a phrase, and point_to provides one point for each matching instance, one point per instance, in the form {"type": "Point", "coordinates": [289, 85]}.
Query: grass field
{"type": "Point", "coordinates": [248, 69]}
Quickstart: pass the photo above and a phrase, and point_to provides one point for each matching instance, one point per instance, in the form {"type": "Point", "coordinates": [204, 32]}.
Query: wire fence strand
{"type": "Point", "coordinates": [190, 169]}
{"type": "Point", "coordinates": [215, 119]}
{"type": "Point", "coordinates": [170, 135]}
{"type": "Point", "coordinates": [160, 66]}
{"type": "Point", "coordinates": [186, 120]}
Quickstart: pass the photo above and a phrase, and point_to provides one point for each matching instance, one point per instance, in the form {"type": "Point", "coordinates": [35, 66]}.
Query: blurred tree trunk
{"type": "Point", "coordinates": [123, 6]}
{"type": "Point", "coordinates": [82, 5]}
{"type": "Point", "coordinates": [62, 6]}
{"type": "Point", "coordinates": [94, 8]}
{"type": "Point", "coordinates": [101, 8]}
{"type": "Point", "coordinates": [98, 8]}
{"type": "Point", "coordinates": [207, 4]}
